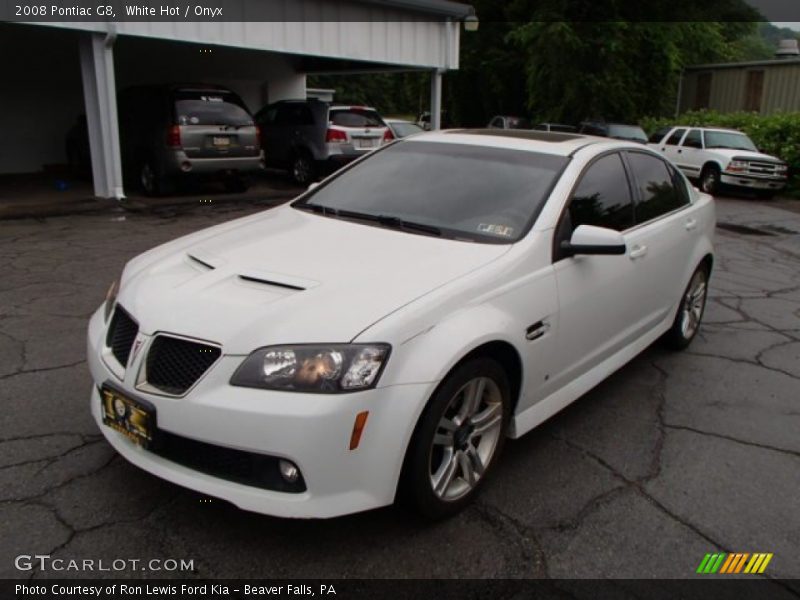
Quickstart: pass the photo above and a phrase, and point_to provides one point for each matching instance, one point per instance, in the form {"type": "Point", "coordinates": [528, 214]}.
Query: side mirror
{"type": "Point", "coordinates": [312, 185]}
{"type": "Point", "coordinates": [588, 239]}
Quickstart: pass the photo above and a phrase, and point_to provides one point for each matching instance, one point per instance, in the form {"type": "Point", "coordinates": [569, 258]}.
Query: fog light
{"type": "Point", "coordinates": [288, 470]}
{"type": "Point", "coordinates": [186, 166]}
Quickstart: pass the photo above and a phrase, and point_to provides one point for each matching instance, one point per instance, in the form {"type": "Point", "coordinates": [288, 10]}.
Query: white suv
{"type": "Point", "coordinates": [721, 157]}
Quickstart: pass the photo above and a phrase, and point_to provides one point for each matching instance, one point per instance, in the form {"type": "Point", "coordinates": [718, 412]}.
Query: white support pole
{"type": "Point", "coordinates": [436, 99]}
{"type": "Point", "coordinates": [100, 98]}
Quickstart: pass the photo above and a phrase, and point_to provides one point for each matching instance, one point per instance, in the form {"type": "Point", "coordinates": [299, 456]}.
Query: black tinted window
{"type": "Point", "coordinates": [675, 138]}
{"type": "Point", "coordinates": [656, 183]}
{"type": "Point", "coordinates": [471, 192]}
{"type": "Point", "coordinates": [658, 135]}
{"type": "Point", "coordinates": [210, 108]}
{"type": "Point", "coordinates": [355, 117]}
{"type": "Point", "coordinates": [294, 114]}
{"type": "Point", "coordinates": [693, 139]}
{"type": "Point", "coordinates": [603, 197]}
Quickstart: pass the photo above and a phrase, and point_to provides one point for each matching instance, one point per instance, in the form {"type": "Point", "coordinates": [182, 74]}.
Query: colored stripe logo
{"type": "Point", "coordinates": [736, 562]}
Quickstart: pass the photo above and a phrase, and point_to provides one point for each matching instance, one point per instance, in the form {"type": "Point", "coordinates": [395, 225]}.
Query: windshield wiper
{"type": "Point", "coordinates": [317, 208]}
{"type": "Point", "coordinates": [385, 220]}
{"type": "Point", "coordinates": [403, 225]}
{"type": "Point", "coordinates": [390, 221]}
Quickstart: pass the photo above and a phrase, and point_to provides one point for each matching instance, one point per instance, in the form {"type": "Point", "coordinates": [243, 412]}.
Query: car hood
{"type": "Point", "coordinates": [287, 276]}
{"type": "Point", "coordinates": [745, 154]}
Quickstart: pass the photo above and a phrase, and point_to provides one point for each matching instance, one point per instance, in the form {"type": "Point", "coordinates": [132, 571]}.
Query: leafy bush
{"type": "Point", "coordinates": [777, 134]}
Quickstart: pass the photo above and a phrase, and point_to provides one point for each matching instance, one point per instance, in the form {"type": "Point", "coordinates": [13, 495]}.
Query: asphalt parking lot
{"type": "Point", "coordinates": [675, 456]}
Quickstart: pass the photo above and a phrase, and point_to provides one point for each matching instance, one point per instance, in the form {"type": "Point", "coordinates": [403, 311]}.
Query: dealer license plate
{"type": "Point", "coordinates": [130, 417]}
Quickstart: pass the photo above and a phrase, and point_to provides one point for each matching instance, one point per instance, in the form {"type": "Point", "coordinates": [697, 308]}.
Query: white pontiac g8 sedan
{"type": "Point", "coordinates": [381, 336]}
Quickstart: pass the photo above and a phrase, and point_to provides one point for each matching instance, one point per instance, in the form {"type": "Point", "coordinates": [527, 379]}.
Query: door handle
{"type": "Point", "coordinates": [536, 330]}
{"type": "Point", "coordinates": [690, 224]}
{"type": "Point", "coordinates": [637, 252]}
{"type": "Point", "coordinates": [680, 151]}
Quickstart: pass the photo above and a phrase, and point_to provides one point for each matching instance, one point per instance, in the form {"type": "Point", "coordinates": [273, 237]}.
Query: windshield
{"type": "Point", "coordinates": [627, 132]}
{"type": "Point", "coordinates": [727, 139]}
{"type": "Point", "coordinates": [210, 108]}
{"type": "Point", "coordinates": [460, 191]}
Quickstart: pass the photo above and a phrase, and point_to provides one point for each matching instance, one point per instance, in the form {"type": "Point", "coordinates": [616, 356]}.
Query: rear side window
{"type": "Point", "coordinates": [675, 138]}
{"type": "Point", "coordinates": [656, 185]}
{"type": "Point", "coordinates": [603, 196]}
{"type": "Point", "coordinates": [212, 107]}
{"type": "Point", "coordinates": [659, 135]}
{"type": "Point", "coordinates": [355, 117]}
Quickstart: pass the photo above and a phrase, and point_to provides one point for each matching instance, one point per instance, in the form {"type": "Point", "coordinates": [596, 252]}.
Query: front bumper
{"type": "Point", "coordinates": [312, 430]}
{"type": "Point", "coordinates": [754, 183]}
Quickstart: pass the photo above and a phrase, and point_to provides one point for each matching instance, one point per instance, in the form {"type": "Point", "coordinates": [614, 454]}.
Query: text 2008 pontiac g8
{"type": "Point", "coordinates": [381, 336]}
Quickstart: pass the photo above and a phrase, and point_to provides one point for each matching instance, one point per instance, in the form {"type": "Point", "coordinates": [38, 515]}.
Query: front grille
{"type": "Point", "coordinates": [121, 333]}
{"type": "Point", "coordinates": [247, 468]}
{"type": "Point", "coordinates": [174, 365]}
{"type": "Point", "coordinates": [764, 168]}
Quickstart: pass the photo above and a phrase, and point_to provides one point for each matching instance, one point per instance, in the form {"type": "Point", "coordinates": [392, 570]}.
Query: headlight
{"type": "Point", "coordinates": [323, 368]}
{"type": "Point", "coordinates": [736, 165]}
{"type": "Point", "coordinates": [111, 298]}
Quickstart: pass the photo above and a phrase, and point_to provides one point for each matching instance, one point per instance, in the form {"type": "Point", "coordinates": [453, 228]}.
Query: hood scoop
{"type": "Point", "coordinates": [199, 257]}
{"type": "Point", "coordinates": [276, 280]}
{"type": "Point", "coordinates": [200, 263]}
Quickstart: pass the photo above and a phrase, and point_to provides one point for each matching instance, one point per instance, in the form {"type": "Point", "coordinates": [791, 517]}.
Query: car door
{"type": "Point", "coordinates": [665, 229]}
{"type": "Point", "coordinates": [669, 146]}
{"type": "Point", "coordinates": [599, 308]}
{"type": "Point", "coordinates": [689, 155]}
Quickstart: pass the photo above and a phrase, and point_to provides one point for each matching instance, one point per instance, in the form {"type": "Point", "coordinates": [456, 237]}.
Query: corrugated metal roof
{"type": "Point", "coordinates": [753, 63]}
{"type": "Point", "coordinates": [438, 7]}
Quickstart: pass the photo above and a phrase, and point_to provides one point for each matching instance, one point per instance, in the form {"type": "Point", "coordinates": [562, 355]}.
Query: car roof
{"type": "Point", "coordinates": [350, 107]}
{"type": "Point", "coordinates": [725, 129]}
{"type": "Point", "coordinates": [544, 142]}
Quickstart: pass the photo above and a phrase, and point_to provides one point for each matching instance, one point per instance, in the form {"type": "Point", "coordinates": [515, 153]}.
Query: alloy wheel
{"type": "Point", "coordinates": [693, 304]}
{"type": "Point", "coordinates": [466, 438]}
{"type": "Point", "coordinates": [301, 169]}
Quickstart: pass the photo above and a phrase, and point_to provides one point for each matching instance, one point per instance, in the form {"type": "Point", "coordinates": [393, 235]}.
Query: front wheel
{"type": "Point", "coordinates": [690, 312]}
{"type": "Point", "coordinates": [458, 439]}
{"type": "Point", "coordinates": [710, 179]}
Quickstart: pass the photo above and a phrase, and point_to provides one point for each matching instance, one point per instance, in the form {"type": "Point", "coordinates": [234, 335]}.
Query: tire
{"type": "Point", "coordinates": [302, 169]}
{"type": "Point", "coordinates": [710, 179]}
{"type": "Point", "coordinates": [445, 448]}
{"type": "Point", "coordinates": [151, 179]}
{"type": "Point", "coordinates": [767, 194]}
{"type": "Point", "coordinates": [690, 312]}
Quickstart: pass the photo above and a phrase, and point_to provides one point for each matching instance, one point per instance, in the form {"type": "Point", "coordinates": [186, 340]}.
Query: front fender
{"type": "Point", "coordinates": [429, 354]}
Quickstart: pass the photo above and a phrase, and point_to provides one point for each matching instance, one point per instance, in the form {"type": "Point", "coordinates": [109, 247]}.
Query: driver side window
{"type": "Point", "coordinates": [601, 198]}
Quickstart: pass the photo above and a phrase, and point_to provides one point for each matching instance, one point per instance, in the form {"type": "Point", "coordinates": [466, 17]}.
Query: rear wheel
{"type": "Point", "coordinates": [690, 312]}
{"type": "Point", "coordinates": [152, 181]}
{"type": "Point", "coordinates": [302, 168]}
{"type": "Point", "coordinates": [710, 179]}
{"type": "Point", "coordinates": [458, 439]}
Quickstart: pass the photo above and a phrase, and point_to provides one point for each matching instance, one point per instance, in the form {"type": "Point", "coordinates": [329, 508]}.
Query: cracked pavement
{"type": "Point", "coordinates": [674, 456]}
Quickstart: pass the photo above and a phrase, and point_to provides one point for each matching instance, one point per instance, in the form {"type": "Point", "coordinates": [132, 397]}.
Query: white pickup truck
{"type": "Point", "coordinates": [719, 158]}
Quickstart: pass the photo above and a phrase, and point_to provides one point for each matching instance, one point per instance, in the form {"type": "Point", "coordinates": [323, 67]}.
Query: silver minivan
{"type": "Point", "coordinates": [174, 132]}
